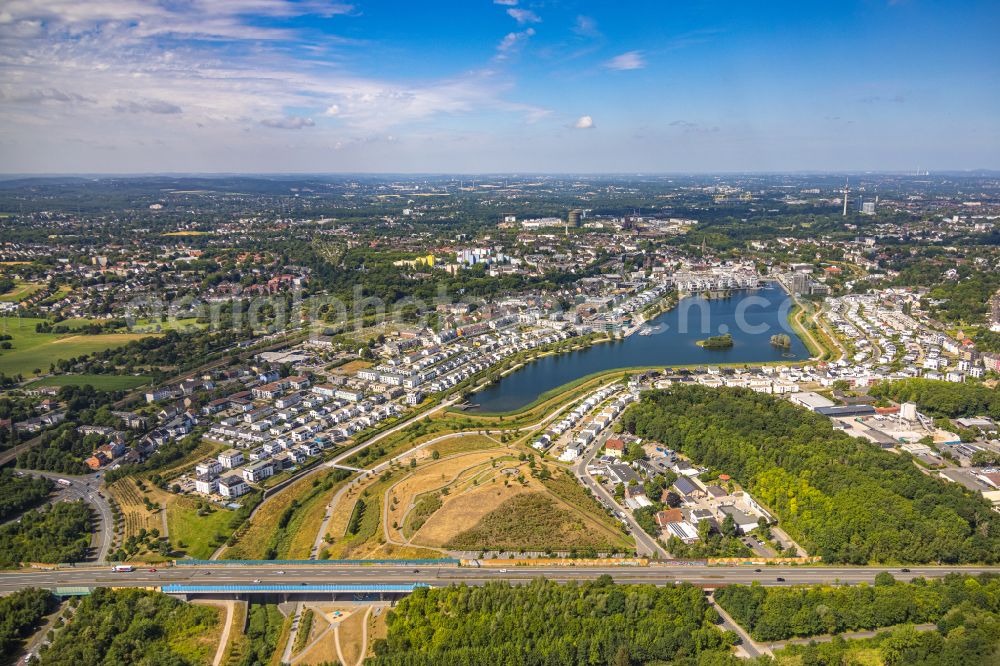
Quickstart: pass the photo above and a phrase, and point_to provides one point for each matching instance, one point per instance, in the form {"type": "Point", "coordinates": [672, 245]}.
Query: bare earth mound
{"type": "Point", "coordinates": [459, 513]}
{"type": "Point", "coordinates": [535, 522]}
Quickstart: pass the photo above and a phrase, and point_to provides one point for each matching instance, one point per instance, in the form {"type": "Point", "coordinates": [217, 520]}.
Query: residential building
{"type": "Point", "coordinates": [231, 458]}
{"type": "Point", "coordinates": [233, 486]}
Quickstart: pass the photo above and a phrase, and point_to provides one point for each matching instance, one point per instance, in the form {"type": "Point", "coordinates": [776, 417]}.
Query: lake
{"type": "Point", "coordinates": [751, 317]}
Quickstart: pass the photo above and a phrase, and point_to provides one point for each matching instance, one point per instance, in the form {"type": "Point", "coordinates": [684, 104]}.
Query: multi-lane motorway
{"type": "Point", "coordinates": [278, 573]}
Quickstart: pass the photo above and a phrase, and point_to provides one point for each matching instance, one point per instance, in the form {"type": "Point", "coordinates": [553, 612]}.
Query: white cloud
{"type": "Point", "coordinates": [506, 3]}
{"type": "Point", "coordinates": [195, 77]}
{"type": "Point", "coordinates": [146, 106]}
{"type": "Point", "coordinates": [288, 122]}
{"type": "Point", "coordinates": [523, 16]}
{"type": "Point", "coordinates": [584, 122]}
{"type": "Point", "coordinates": [512, 41]}
{"type": "Point", "coordinates": [626, 61]}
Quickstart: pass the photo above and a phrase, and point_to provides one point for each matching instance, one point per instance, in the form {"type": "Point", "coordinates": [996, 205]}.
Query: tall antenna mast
{"type": "Point", "coordinates": [847, 191]}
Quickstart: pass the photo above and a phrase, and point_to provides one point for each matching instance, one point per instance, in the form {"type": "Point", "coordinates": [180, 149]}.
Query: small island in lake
{"type": "Point", "coordinates": [717, 342]}
{"type": "Point", "coordinates": [782, 340]}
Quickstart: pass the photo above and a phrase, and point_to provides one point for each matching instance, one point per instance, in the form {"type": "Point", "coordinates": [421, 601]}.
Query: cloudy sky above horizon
{"type": "Point", "coordinates": [122, 86]}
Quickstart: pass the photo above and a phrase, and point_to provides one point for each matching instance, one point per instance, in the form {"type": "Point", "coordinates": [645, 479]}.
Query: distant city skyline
{"type": "Point", "coordinates": [501, 86]}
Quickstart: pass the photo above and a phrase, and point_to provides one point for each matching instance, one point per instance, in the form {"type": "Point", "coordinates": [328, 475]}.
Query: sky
{"type": "Point", "coordinates": [497, 86]}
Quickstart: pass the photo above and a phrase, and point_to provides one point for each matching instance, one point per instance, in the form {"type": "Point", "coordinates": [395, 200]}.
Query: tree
{"type": "Point", "coordinates": [884, 578]}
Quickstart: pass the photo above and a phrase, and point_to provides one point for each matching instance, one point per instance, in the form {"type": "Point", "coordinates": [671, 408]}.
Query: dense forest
{"type": "Point", "coordinates": [20, 614]}
{"type": "Point", "coordinates": [967, 633]}
{"type": "Point", "coordinates": [543, 622]}
{"type": "Point", "coordinates": [18, 493]}
{"type": "Point", "coordinates": [114, 627]}
{"type": "Point", "coordinates": [839, 497]}
{"type": "Point", "coordinates": [777, 613]}
{"type": "Point", "coordinates": [57, 533]}
{"type": "Point", "coordinates": [939, 398]}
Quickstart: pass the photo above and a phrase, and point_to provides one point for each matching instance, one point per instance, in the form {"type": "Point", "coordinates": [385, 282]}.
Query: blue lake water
{"type": "Point", "coordinates": [751, 317]}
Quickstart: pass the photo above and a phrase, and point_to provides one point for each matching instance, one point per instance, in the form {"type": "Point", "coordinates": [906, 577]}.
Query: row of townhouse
{"type": "Point", "coordinates": [586, 405]}
{"type": "Point", "coordinates": [603, 419]}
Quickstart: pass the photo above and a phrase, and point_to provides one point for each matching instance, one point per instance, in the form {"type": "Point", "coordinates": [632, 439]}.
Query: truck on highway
{"type": "Point", "coordinates": [122, 568]}
{"type": "Point", "coordinates": [64, 482]}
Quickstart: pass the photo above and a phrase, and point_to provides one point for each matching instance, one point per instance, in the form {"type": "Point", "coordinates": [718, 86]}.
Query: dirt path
{"type": "Point", "coordinates": [220, 652]}
{"type": "Point", "coordinates": [364, 636]}
{"type": "Point", "coordinates": [336, 642]}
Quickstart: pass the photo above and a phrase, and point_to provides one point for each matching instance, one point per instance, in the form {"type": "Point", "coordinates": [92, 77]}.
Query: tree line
{"type": "Point", "coordinates": [939, 398]}
{"type": "Point", "coordinates": [777, 613]}
{"type": "Point", "coordinates": [967, 634]}
{"type": "Point", "coordinates": [840, 497]}
{"type": "Point", "coordinates": [597, 622]}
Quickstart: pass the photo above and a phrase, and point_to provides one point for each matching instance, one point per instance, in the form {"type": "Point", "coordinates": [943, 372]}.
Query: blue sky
{"type": "Point", "coordinates": [497, 86]}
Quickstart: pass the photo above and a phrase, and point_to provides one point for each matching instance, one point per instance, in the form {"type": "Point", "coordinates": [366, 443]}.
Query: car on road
{"type": "Point", "coordinates": [256, 580]}
{"type": "Point", "coordinates": [780, 579]}
{"type": "Point", "coordinates": [756, 570]}
{"type": "Point", "coordinates": [905, 570]}
{"type": "Point", "coordinates": [152, 570]}
{"type": "Point", "coordinates": [280, 573]}
{"type": "Point", "coordinates": [503, 571]}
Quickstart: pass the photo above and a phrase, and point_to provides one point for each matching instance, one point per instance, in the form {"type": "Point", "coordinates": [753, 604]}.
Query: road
{"type": "Point", "coordinates": [697, 574]}
{"type": "Point", "coordinates": [86, 488]}
{"type": "Point", "coordinates": [644, 544]}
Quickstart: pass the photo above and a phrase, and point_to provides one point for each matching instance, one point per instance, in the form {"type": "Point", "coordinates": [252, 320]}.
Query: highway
{"type": "Point", "coordinates": [279, 573]}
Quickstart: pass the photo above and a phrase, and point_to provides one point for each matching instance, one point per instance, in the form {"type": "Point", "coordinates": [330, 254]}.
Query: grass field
{"type": "Point", "coordinates": [21, 291]}
{"type": "Point", "coordinates": [197, 536]}
{"type": "Point", "coordinates": [237, 639]}
{"type": "Point", "coordinates": [33, 350]}
{"type": "Point", "coordinates": [102, 382]}
{"type": "Point", "coordinates": [351, 633]}
{"type": "Point", "coordinates": [149, 326]}
{"type": "Point", "coordinates": [351, 367]}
